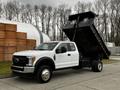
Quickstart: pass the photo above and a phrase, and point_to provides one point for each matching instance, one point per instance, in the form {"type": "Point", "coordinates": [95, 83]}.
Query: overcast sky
{"type": "Point", "coordinates": [51, 2]}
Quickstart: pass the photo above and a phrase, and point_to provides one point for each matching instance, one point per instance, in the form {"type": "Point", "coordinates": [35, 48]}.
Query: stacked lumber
{"type": "Point", "coordinates": [12, 41]}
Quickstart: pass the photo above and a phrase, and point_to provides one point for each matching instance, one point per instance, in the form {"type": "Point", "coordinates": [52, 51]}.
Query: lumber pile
{"type": "Point", "coordinates": [12, 41]}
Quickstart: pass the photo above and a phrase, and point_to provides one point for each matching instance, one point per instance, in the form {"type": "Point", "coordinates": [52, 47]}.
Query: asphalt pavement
{"type": "Point", "coordinates": [84, 79]}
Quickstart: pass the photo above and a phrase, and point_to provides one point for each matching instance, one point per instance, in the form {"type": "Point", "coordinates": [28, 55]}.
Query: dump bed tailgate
{"type": "Point", "coordinates": [82, 31]}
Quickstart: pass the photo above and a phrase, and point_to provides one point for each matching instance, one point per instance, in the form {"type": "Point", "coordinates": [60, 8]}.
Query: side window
{"type": "Point", "coordinates": [71, 47]}
{"type": "Point", "coordinates": [68, 46]}
{"type": "Point", "coordinates": [63, 45]}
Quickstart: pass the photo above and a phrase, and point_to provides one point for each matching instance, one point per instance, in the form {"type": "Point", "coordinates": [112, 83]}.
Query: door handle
{"type": "Point", "coordinates": [69, 54]}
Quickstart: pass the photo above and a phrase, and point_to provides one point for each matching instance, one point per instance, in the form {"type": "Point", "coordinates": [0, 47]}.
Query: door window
{"type": "Point", "coordinates": [63, 45]}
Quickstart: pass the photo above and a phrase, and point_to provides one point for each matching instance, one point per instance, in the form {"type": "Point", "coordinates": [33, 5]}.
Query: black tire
{"type": "Point", "coordinates": [44, 74]}
{"type": "Point", "coordinates": [97, 66]}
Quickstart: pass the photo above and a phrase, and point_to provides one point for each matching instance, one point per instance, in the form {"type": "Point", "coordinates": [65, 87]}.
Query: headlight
{"type": "Point", "coordinates": [31, 60]}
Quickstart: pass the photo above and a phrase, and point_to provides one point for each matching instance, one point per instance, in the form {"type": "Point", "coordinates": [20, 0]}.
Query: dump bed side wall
{"type": "Point", "coordinates": [88, 41]}
{"type": "Point", "coordinates": [101, 43]}
{"type": "Point", "coordinates": [82, 31]}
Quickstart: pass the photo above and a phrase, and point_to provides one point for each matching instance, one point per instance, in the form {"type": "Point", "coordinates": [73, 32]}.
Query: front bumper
{"type": "Point", "coordinates": [20, 69]}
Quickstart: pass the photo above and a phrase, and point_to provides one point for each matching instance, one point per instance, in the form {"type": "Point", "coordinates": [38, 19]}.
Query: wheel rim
{"type": "Point", "coordinates": [45, 75]}
{"type": "Point", "coordinates": [100, 66]}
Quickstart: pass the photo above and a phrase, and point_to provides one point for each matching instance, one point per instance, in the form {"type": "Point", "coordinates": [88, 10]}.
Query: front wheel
{"type": "Point", "coordinates": [97, 66]}
{"type": "Point", "coordinates": [44, 74]}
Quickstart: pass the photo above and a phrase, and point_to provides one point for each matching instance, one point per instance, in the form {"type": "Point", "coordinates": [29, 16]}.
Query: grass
{"type": "Point", "coordinates": [109, 61]}
{"type": "Point", "coordinates": [5, 69]}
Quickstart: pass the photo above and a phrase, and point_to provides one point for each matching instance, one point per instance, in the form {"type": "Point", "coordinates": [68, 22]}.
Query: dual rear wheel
{"type": "Point", "coordinates": [97, 66]}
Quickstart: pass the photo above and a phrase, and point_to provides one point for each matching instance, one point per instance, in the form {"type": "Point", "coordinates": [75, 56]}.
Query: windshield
{"type": "Point", "coordinates": [46, 46]}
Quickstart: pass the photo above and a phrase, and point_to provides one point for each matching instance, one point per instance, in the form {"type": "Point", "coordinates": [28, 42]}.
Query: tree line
{"type": "Point", "coordinates": [50, 20]}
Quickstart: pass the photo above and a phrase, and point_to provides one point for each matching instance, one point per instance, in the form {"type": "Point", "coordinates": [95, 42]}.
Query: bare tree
{"type": "Point", "coordinates": [36, 15]}
{"type": "Point", "coordinates": [112, 18]}
{"type": "Point", "coordinates": [1, 10]}
{"type": "Point", "coordinates": [63, 13]}
{"type": "Point", "coordinates": [104, 4]}
{"type": "Point", "coordinates": [23, 16]}
{"type": "Point", "coordinates": [98, 21]}
{"type": "Point", "coordinates": [54, 20]}
{"type": "Point", "coordinates": [89, 6]}
{"type": "Point", "coordinates": [48, 19]}
{"type": "Point", "coordinates": [29, 13]}
{"type": "Point", "coordinates": [10, 10]}
{"type": "Point", "coordinates": [115, 21]}
{"type": "Point", "coordinates": [42, 17]}
{"type": "Point", "coordinates": [80, 7]}
{"type": "Point", "coordinates": [17, 10]}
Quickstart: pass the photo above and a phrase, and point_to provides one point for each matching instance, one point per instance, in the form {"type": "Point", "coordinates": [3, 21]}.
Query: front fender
{"type": "Point", "coordinates": [45, 61]}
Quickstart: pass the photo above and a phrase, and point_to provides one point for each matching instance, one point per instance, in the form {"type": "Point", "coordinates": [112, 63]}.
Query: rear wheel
{"type": "Point", "coordinates": [97, 66]}
{"type": "Point", "coordinates": [44, 74]}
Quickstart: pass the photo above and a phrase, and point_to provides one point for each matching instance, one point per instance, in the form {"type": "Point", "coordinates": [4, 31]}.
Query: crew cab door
{"type": "Point", "coordinates": [66, 56]}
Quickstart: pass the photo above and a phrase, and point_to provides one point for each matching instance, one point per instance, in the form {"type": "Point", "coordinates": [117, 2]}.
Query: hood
{"type": "Point", "coordinates": [31, 53]}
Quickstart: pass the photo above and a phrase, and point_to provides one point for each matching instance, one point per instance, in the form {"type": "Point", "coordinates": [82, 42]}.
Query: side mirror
{"type": "Point", "coordinates": [58, 51]}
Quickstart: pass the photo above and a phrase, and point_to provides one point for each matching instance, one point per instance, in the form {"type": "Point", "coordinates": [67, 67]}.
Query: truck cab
{"type": "Point", "coordinates": [50, 55]}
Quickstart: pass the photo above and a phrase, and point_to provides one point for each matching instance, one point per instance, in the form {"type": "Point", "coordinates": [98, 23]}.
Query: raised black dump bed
{"type": "Point", "coordinates": [82, 31]}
